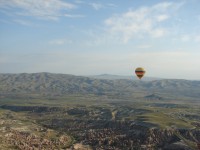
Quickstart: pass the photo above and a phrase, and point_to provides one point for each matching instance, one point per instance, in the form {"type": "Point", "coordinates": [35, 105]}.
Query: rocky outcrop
{"type": "Point", "coordinates": [127, 134]}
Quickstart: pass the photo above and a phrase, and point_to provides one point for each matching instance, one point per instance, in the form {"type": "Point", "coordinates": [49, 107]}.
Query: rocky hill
{"type": "Point", "coordinates": [62, 84]}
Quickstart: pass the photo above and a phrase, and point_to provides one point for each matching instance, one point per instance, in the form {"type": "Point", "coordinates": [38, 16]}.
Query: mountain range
{"type": "Point", "coordinates": [64, 84]}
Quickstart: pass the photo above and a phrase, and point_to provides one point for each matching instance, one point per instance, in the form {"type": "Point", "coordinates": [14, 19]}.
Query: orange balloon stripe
{"type": "Point", "coordinates": [140, 73]}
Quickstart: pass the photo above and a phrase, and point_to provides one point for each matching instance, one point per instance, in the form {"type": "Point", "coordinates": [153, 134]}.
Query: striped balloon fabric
{"type": "Point", "coordinates": [139, 72]}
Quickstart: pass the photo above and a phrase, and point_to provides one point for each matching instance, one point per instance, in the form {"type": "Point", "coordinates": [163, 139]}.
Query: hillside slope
{"type": "Point", "coordinates": [62, 84]}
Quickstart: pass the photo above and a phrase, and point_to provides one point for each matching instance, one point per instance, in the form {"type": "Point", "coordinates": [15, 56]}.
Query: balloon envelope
{"type": "Point", "coordinates": [139, 72]}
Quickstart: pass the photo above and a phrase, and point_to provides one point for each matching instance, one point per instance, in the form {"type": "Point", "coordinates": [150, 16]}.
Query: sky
{"type": "Point", "coordinates": [92, 37]}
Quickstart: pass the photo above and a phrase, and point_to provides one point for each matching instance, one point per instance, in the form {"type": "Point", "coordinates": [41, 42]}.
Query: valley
{"type": "Point", "coordinates": [94, 123]}
{"type": "Point", "coordinates": [49, 111]}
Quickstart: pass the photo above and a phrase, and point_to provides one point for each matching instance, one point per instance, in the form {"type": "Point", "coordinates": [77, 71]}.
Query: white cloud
{"type": "Point", "coordinates": [96, 6]}
{"type": "Point", "coordinates": [162, 6]}
{"type": "Point", "coordinates": [74, 16]}
{"type": "Point", "coordinates": [185, 38]}
{"type": "Point", "coordinates": [25, 23]}
{"type": "Point", "coordinates": [162, 17]}
{"type": "Point", "coordinates": [156, 33]}
{"type": "Point", "coordinates": [43, 9]}
{"type": "Point", "coordinates": [145, 21]}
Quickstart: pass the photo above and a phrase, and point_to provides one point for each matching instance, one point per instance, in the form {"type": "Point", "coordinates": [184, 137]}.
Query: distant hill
{"type": "Point", "coordinates": [114, 77]}
{"type": "Point", "coordinates": [63, 84]}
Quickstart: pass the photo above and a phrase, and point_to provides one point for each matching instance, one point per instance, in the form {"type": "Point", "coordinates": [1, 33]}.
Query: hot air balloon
{"type": "Point", "coordinates": [139, 72]}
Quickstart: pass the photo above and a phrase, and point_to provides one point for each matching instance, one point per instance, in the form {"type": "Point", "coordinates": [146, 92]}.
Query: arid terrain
{"type": "Point", "coordinates": [50, 111]}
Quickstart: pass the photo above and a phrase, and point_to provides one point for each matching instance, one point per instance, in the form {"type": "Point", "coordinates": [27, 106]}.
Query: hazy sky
{"type": "Point", "coordinates": [90, 37]}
